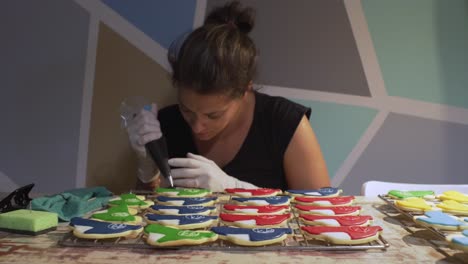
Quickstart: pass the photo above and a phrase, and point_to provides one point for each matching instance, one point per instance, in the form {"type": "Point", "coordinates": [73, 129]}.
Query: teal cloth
{"type": "Point", "coordinates": [73, 203]}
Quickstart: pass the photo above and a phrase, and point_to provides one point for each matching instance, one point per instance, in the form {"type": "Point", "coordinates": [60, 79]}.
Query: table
{"type": "Point", "coordinates": [407, 244]}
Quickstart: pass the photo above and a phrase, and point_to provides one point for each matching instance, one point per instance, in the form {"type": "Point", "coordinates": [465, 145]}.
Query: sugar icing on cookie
{"type": "Point", "coordinates": [459, 241]}
{"type": "Point", "coordinates": [453, 207]}
{"type": "Point", "coordinates": [416, 204]}
{"type": "Point", "coordinates": [255, 209]}
{"type": "Point", "coordinates": [88, 228]}
{"type": "Point", "coordinates": [181, 210]}
{"type": "Point", "coordinates": [255, 220]}
{"type": "Point", "coordinates": [326, 191]}
{"type": "Point", "coordinates": [328, 210]}
{"type": "Point", "coordinates": [180, 220]}
{"type": "Point", "coordinates": [252, 236]}
{"type": "Point", "coordinates": [183, 192]}
{"type": "Point", "coordinates": [408, 194]}
{"type": "Point", "coordinates": [455, 196]}
{"type": "Point", "coordinates": [272, 200]}
{"type": "Point", "coordinates": [129, 199]}
{"type": "Point", "coordinates": [441, 220]}
{"type": "Point", "coordinates": [253, 192]}
{"type": "Point", "coordinates": [117, 213]}
{"type": "Point", "coordinates": [159, 235]}
{"type": "Point", "coordinates": [334, 220]}
{"type": "Point", "coordinates": [206, 201]}
{"type": "Point", "coordinates": [325, 201]}
{"type": "Point", "coordinates": [343, 234]}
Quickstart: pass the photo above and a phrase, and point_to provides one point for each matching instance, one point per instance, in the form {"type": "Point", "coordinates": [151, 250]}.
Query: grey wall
{"type": "Point", "coordinates": [42, 51]}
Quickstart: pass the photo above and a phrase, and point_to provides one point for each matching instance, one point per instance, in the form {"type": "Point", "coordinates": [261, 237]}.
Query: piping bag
{"type": "Point", "coordinates": [157, 148]}
{"type": "Point", "coordinates": [158, 151]}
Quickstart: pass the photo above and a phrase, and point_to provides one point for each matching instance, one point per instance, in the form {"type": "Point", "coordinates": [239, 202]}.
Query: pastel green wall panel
{"type": "Point", "coordinates": [338, 129]}
{"type": "Point", "coordinates": [422, 48]}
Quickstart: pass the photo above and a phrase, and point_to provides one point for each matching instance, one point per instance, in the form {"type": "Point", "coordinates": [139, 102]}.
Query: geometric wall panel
{"type": "Point", "coordinates": [161, 20]}
{"type": "Point", "coordinates": [338, 129]}
{"type": "Point", "coordinates": [421, 47]}
{"type": "Point", "coordinates": [413, 150]}
{"type": "Point", "coordinates": [43, 53]}
{"type": "Point", "coordinates": [307, 45]}
{"type": "Point", "coordinates": [122, 70]}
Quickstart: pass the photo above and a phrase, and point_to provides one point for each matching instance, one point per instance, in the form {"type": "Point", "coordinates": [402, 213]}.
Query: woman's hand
{"type": "Point", "coordinates": [196, 171]}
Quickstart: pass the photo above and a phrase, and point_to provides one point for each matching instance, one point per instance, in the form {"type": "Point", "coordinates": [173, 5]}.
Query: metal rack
{"type": "Point", "coordinates": [440, 244]}
{"type": "Point", "coordinates": [295, 242]}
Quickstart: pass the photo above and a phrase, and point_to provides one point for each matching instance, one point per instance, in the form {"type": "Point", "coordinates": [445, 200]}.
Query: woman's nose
{"type": "Point", "coordinates": [197, 125]}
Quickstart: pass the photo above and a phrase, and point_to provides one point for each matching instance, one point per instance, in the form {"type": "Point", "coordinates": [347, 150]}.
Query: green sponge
{"type": "Point", "coordinates": [28, 222]}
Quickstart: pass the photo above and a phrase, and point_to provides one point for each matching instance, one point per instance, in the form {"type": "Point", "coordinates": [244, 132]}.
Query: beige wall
{"type": "Point", "coordinates": [121, 71]}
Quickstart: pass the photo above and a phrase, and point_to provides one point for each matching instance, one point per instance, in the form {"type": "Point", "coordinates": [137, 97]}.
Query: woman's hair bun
{"type": "Point", "coordinates": [233, 13]}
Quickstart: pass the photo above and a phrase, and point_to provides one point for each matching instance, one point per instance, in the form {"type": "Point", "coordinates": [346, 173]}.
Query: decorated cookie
{"type": "Point", "coordinates": [252, 236]}
{"type": "Point", "coordinates": [396, 194]}
{"type": "Point", "coordinates": [325, 201]}
{"type": "Point", "coordinates": [415, 205]}
{"type": "Point", "coordinates": [343, 235]}
{"type": "Point", "coordinates": [163, 236]}
{"type": "Point", "coordinates": [204, 201]}
{"type": "Point", "coordinates": [440, 221]}
{"type": "Point", "coordinates": [181, 210]}
{"type": "Point", "coordinates": [459, 241]}
{"type": "Point", "coordinates": [252, 221]}
{"type": "Point", "coordinates": [117, 214]}
{"type": "Point", "coordinates": [92, 229]}
{"type": "Point", "coordinates": [255, 209]}
{"type": "Point", "coordinates": [453, 207]}
{"type": "Point", "coordinates": [182, 192]}
{"type": "Point", "coordinates": [182, 221]}
{"type": "Point", "coordinates": [131, 200]}
{"type": "Point", "coordinates": [455, 196]}
{"type": "Point", "coordinates": [260, 192]}
{"type": "Point", "coordinates": [272, 200]}
{"type": "Point", "coordinates": [334, 220]}
{"type": "Point", "coordinates": [322, 192]}
{"type": "Point", "coordinates": [328, 210]}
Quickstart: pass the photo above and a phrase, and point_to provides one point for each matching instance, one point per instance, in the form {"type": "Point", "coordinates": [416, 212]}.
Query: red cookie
{"type": "Point", "coordinates": [255, 209]}
{"type": "Point", "coordinates": [328, 210]}
{"type": "Point", "coordinates": [334, 220]}
{"type": "Point", "coordinates": [325, 201]}
{"type": "Point", "coordinates": [343, 234]}
{"type": "Point", "coordinates": [252, 221]}
{"type": "Point", "coordinates": [260, 192]}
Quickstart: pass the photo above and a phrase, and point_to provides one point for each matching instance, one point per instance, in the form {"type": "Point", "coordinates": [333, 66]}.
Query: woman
{"type": "Point", "coordinates": [223, 134]}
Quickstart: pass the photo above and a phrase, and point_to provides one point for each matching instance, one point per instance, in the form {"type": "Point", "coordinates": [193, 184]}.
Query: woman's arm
{"type": "Point", "coordinates": [304, 165]}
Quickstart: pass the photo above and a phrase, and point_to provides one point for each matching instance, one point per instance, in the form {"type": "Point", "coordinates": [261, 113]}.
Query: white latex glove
{"type": "Point", "coordinates": [142, 129]}
{"type": "Point", "coordinates": [196, 171]}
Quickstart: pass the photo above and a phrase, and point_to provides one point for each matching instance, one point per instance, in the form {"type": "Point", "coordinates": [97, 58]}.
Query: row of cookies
{"type": "Point", "coordinates": [445, 212]}
{"type": "Point", "coordinates": [335, 220]}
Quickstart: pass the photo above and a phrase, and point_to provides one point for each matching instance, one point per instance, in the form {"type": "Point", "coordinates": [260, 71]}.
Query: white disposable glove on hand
{"type": "Point", "coordinates": [142, 129]}
{"type": "Point", "coordinates": [196, 171]}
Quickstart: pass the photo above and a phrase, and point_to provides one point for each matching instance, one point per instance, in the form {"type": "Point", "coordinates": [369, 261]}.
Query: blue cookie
{"type": "Point", "coordinates": [322, 192]}
{"type": "Point", "coordinates": [165, 200]}
{"type": "Point", "coordinates": [181, 210]}
{"type": "Point", "coordinates": [459, 241]}
{"type": "Point", "coordinates": [92, 229]}
{"type": "Point", "coordinates": [440, 220]}
{"type": "Point", "coordinates": [252, 236]}
{"type": "Point", "coordinates": [272, 200]}
{"type": "Point", "coordinates": [182, 221]}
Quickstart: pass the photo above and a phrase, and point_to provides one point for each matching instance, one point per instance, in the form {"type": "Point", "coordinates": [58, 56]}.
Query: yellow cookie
{"type": "Point", "coordinates": [453, 207]}
{"type": "Point", "coordinates": [412, 204]}
{"type": "Point", "coordinates": [454, 195]}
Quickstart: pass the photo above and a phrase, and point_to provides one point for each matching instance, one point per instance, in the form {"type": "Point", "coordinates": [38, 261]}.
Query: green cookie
{"type": "Point", "coordinates": [407, 194]}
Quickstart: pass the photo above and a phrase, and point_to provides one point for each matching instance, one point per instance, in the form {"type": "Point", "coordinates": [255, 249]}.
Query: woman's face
{"type": "Point", "coordinates": [207, 115]}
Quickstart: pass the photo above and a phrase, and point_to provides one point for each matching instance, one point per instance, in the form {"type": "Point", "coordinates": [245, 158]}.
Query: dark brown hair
{"type": "Point", "coordinates": [218, 57]}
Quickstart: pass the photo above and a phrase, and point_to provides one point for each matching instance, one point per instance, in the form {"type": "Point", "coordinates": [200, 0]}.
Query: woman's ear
{"type": "Point", "coordinates": [250, 86]}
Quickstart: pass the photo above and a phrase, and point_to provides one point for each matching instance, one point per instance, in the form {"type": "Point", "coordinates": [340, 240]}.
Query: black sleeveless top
{"type": "Point", "coordinates": [260, 158]}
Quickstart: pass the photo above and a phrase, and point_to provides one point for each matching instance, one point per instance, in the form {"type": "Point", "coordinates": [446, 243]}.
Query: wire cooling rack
{"type": "Point", "coordinates": [295, 242]}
